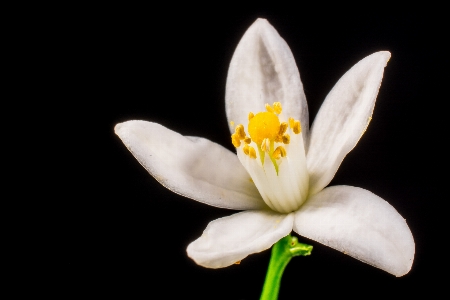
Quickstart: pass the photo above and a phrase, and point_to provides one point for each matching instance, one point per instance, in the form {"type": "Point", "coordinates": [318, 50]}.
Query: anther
{"type": "Point", "coordinates": [279, 152]}
{"type": "Point", "coordinates": [247, 140]}
{"type": "Point", "coordinates": [251, 152]}
{"type": "Point", "coordinates": [250, 115]}
{"type": "Point", "coordinates": [240, 131]}
{"type": "Point", "coordinates": [286, 138]}
{"type": "Point", "coordinates": [277, 107]}
{"type": "Point", "coordinates": [235, 140]}
{"type": "Point", "coordinates": [245, 149]}
{"type": "Point", "coordinates": [269, 108]}
{"type": "Point", "coordinates": [297, 127]}
{"type": "Point", "coordinates": [291, 122]}
{"type": "Point", "coordinates": [283, 127]}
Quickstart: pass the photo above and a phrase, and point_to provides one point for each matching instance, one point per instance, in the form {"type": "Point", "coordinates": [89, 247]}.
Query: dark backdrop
{"type": "Point", "coordinates": [121, 233]}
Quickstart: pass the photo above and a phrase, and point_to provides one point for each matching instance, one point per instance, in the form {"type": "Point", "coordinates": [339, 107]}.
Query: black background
{"type": "Point", "coordinates": [121, 233]}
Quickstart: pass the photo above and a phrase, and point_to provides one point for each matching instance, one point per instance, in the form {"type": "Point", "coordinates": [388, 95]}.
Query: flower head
{"type": "Point", "coordinates": [274, 155]}
{"type": "Point", "coordinates": [282, 168]}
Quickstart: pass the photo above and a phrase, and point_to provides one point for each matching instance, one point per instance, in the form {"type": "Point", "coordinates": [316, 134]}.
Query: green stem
{"type": "Point", "coordinates": [282, 252]}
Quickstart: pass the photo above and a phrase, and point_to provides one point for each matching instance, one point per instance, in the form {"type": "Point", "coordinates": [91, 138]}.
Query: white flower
{"type": "Point", "coordinates": [281, 169]}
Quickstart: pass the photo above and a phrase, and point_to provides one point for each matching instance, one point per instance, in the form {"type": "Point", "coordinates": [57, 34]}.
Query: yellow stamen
{"type": "Point", "coordinates": [245, 149]}
{"type": "Point", "coordinates": [235, 140]}
{"type": "Point", "coordinates": [266, 131]}
{"type": "Point", "coordinates": [277, 107]}
{"type": "Point", "coordinates": [283, 128]}
{"type": "Point", "coordinates": [269, 108]}
{"type": "Point", "coordinates": [297, 128]}
{"type": "Point", "coordinates": [240, 131]}
{"type": "Point", "coordinates": [279, 152]}
{"type": "Point", "coordinates": [251, 152]}
{"type": "Point", "coordinates": [291, 122]}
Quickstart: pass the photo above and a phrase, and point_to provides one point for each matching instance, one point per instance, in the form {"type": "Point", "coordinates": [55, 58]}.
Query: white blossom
{"type": "Point", "coordinates": [280, 174]}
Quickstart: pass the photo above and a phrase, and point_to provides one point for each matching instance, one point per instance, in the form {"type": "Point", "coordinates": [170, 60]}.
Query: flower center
{"type": "Point", "coordinates": [265, 125]}
{"type": "Point", "coordinates": [283, 179]}
{"type": "Point", "coordinates": [267, 132]}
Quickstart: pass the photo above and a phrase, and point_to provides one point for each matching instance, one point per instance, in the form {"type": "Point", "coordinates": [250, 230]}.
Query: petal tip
{"type": "Point", "coordinates": [117, 128]}
{"type": "Point", "coordinates": [261, 23]}
{"type": "Point", "coordinates": [383, 56]}
{"type": "Point", "coordinates": [120, 129]}
{"type": "Point", "coordinates": [387, 55]}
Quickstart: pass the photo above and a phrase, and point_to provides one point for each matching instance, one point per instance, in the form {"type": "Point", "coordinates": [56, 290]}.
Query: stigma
{"type": "Point", "coordinates": [271, 149]}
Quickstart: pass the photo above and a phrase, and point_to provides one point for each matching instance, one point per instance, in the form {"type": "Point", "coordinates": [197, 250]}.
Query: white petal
{"type": "Point", "coordinates": [263, 70]}
{"type": "Point", "coordinates": [193, 167]}
{"type": "Point", "coordinates": [228, 240]}
{"type": "Point", "coordinates": [360, 224]}
{"type": "Point", "coordinates": [343, 118]}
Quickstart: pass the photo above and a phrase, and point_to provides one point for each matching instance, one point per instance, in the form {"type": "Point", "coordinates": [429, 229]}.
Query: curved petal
{"type": "Point", "coordinates": [193, 167]}
{"type": "Point", "coordinates": [360, 224]}
{"type": "Point", "coordinates": [228, 240]}
{"type": "Point", "coordinates": [263, 70]}
{"type": "Point", "coordinates": [343, 118]}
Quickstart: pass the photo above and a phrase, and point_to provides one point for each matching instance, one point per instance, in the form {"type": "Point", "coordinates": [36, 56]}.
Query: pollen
{"type": "Point", "coordinates": [277, 107]}
{"type": "Point", "coordinates": [283, 127]}
{"type": "Point", "coordinates": [264, 125]}
{"type": "Point", "coordinates": [235, 140]}
{"type": "Point", "coordinates": [269, 108]}
{"type": "Point", "coordinates": [245, 149]}
{"type": "Point", "coordinates": [279, 152]}
{"type": "Point", "coordinates": [240, 132]}
{"type": "Point", "coordinates": [295, 125]}
{"type": "Point", "coordinates": [250, 151]}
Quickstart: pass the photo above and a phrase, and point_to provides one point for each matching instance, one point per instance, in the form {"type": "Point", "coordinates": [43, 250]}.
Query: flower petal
{"type": "Point", "coordinates": [263, 70]}
{"type": "Point", "coordinates": [228, 240]}
{"type": "Point", "coordinates": [184, 165]}
{"type": "Point", "coordinates": [343, 118]}
{"type": "Point", "coordinates": [360, 224]}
